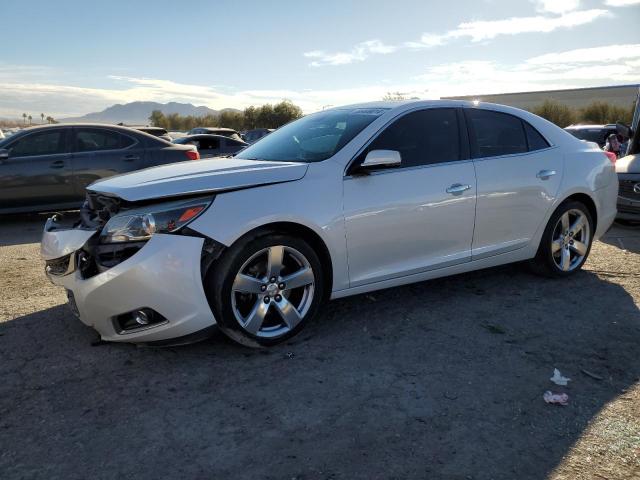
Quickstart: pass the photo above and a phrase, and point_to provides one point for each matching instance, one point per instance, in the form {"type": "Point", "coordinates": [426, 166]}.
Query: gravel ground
{"type": "Point", "coordinates": [442, 379]}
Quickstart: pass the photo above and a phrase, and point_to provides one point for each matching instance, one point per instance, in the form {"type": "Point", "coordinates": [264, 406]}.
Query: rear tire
{"type": "Point", "coordinates": [265, 289]}
{"type": "Point", "coordinates": [566, 241]}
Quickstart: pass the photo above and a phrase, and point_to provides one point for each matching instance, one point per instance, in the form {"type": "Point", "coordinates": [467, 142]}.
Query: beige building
{"type": "Point", "coordinates": [623, 96]}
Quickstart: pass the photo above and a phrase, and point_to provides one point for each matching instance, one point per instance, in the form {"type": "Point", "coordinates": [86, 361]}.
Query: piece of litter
{"type": "Point", "coordinates": [558, 379]}
{"type": "Point", "coordinates": [494, 328]}
{"type": "Point", "coordinates": [591, 374]}
{"type": "Point", "coordinates": [556, 398]}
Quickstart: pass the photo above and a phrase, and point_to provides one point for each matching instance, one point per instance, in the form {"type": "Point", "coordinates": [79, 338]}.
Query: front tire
{"type": "Point", "coordinates": [265, 289]}
{"type": "Point", "coordinates": [566, 241]}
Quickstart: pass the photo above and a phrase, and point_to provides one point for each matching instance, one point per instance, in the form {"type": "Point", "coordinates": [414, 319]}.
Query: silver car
{"type": "Point", "coordinates": [338, 203]}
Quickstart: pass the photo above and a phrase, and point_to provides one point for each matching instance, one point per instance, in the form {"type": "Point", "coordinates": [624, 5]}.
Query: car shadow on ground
{"type": "Point", "coordinates": [441, 379]}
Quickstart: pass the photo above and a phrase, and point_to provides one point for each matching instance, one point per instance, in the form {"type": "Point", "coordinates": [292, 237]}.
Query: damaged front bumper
{"type": "Point", "coordinates": [162, 279]}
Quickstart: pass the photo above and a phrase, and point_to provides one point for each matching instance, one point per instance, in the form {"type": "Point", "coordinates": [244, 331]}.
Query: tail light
{"type": "Point", "coordinates": [192, 155]}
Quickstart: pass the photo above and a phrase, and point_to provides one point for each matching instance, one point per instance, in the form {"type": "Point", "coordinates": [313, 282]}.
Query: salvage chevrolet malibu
{"type": "Point", "coordinates": [338, 203]}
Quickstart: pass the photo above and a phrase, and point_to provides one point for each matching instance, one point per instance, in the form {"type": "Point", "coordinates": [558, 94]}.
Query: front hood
{"type": "Point", "coordinates": [628, 164]}
{"type": "Point", "coordinates": [197, 176]}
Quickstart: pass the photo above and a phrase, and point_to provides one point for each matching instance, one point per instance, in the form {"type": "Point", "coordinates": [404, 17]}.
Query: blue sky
{"type": "Point", "coordinates": [71, 57]}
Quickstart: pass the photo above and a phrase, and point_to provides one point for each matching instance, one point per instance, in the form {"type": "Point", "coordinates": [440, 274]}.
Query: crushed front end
{"type": "Point", "coordinates": [133, 271]}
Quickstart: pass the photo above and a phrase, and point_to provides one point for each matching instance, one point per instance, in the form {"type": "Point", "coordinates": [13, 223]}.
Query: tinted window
{"type": "Point", "coordinates": [424, 137]}
{"type": "Point", "coordinates": [209, 143]}
{"type": "Point", "coordinates": [534, 139]}
{"type": "Point", "coordinates": [89, 140]}
{"type": "Point", "coordinates": [44, 143]}
{"type": "Point", "coordinates": [495, 134]}
{"type": "Point", "coordinates": [234, 143]}
{"type": "Point", "coordinates": [312, 138]}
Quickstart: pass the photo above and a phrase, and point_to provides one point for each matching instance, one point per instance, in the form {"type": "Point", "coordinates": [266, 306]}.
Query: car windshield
{"type": "Point", "coordinates": [312, 138]}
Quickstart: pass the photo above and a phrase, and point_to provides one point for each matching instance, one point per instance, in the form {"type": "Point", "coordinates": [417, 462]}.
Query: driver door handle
{"type": "Point", "coordinates": [57, 164]}
{"type": "Point", "coordinates": [131, 158]}
{"type": "Point", "coordinates": [545, 174]}
{"type": "Point", "coordinates": [458, 188]}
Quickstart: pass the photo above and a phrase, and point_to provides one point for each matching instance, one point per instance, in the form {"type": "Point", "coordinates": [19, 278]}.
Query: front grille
{"type": "Point", "coordinates": [59, 266]}
{"type": "Point", "coordinates": [626, 189]}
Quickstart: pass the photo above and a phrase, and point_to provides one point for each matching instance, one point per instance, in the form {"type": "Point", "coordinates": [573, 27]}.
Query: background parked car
{"type": "Point", "coordinates": [252, 136]}
{"type": "Point", "coordinates": [212, 145]}
{"type": "Point", "coordinates": [48, 167]}
{"type": "Point", "coordinates": [628, 170]}
{"type": "Point", "coordinates": [156, 132]}
{"type": "Point", "coordinates": [592, 133]}
{"type": "Point", "coordinates": [225, 132]}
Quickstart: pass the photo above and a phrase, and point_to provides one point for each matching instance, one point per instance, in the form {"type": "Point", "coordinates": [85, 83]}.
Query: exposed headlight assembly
{"type": "Point", "coordinates": [140, 224]}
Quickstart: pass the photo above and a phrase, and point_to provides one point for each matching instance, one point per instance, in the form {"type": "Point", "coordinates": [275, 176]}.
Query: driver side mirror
{"type": "Point", "coordinates": [382, 158]}
{"type": "Point", "coordinates": [4, 155]}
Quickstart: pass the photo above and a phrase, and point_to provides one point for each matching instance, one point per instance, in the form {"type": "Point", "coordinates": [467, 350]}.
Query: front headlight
{"type": "Point", "coordinates": [139, 224]}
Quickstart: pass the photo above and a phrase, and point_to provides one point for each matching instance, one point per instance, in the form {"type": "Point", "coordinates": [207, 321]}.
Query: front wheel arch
{"type": "Point", "coordinates": [305, 233]}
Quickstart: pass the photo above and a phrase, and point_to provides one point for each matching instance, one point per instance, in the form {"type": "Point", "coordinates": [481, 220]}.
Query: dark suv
{"type": "Point", "coordinates": [48, 167]}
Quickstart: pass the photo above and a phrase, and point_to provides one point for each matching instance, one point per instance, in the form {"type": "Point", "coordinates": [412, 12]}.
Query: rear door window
{"type": "Point", "coordinates": [40, 143]}
{"type": "Point", "coordinates": [92, 140]}
{"type": "Point", "coordinates": [534, 139]}
{"type": "Point", "coordinates": [495, 133]}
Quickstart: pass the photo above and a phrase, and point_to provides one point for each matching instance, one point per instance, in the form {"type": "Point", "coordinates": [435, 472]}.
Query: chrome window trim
{"type": "Point", "coordinates": [521, 154]}
{"type": "Point", "coordinates": [384, 171]}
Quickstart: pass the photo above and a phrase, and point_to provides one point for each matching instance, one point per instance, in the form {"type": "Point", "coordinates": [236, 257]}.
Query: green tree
{"type": "Point", "coordinates": [30, 118]}
{"type": "Point", "coordinates": [250, 118]}
{"type": "Point", "coordinates": [42, 117]}
{"type": "Point", "coordinates": [157, 119]}
{"type": "Point", "coordinates": [555, 112]}
{"type": "Point", "coordinates": [24, 118]}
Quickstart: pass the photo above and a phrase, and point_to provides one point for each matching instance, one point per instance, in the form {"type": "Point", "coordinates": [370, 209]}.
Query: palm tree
{"type": "Point", "coordinates": [42, 117]}
{"type": "Point", "coordinates": [24, 118]}
{"type": "Point", "coordinates": [29, 117]}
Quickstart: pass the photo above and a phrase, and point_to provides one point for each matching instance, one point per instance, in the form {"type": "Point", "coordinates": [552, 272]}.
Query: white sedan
{"type": "Point", "coordinates": [338, 203]}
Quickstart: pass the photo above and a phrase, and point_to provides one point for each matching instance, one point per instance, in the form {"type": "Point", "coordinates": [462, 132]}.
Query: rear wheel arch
{"type": "Point", "coordinates": [588, 202]}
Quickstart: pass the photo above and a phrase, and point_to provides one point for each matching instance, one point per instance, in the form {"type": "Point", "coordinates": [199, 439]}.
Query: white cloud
{"type": "Point", "coordinates": [358, 53]}
{"type": "Point", "coordinates": [570, 69]}
{"type": "Point", "coordinates": [621, 3]}
{"type": "Point", "coordinates": [476, 31]}
{"type": "Point", "coordinates": [606, 54]}
{"type": "Point", "coordinates": [484, 30]}
{"type": "Point", "coordinates": [556, 6]}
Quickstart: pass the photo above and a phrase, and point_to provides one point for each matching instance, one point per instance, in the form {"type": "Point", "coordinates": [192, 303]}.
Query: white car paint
{"type": "Point", "coordinates": [386, 229]}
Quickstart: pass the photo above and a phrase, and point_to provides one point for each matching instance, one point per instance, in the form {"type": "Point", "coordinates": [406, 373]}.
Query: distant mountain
{"type": "Point", "coordinates": [136, 113]}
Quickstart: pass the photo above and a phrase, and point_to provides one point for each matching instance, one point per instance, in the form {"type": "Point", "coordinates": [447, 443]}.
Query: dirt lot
{"type": "Point", "coordinates": [442, 379]}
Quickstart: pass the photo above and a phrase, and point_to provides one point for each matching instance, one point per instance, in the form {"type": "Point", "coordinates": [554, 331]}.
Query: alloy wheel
{"type": "Point", "coordinates": [273, 291]}
{"type": "Point", "coordinates": [570, 240]}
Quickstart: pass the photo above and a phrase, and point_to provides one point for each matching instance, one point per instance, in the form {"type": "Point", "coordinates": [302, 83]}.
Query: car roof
{"type": "Point", "coordinates": [220, 129]}
{"type": "Point", "coordinates": [210, 135]}
{"type": "Point", "coordinates": [603, 127]}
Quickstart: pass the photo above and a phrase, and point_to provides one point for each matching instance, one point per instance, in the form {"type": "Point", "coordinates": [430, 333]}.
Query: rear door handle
{"type": "Point", "coordinates": [131, 158]}
{"type": "Point", "coordinates": [545, 174]}
{"type": "Point", "coordinates": [458, 188]}
{"type": "Point", "coordinates": [57, 164]}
